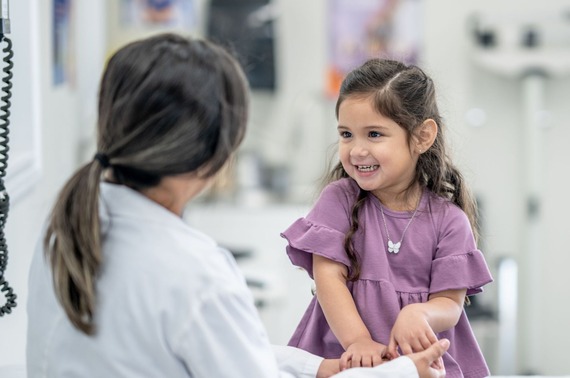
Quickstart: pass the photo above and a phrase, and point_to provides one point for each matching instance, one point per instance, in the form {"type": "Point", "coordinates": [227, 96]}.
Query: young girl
{"type": "Point", "coordinates": [390, 242]}
{"type": "Point", "coordinates": [120, 285]}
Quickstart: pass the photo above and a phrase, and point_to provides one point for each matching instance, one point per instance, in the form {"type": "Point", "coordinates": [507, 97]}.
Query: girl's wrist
{"type": "Point", "coordinates": [417, 308]}
{"type": "Point", "coordinates": [357, 339]}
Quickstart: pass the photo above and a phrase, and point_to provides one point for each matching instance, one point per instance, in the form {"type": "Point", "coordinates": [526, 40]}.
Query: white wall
{"type": "Point", "coordinates": [494, 160]}
{"type": "Point", "coordinates": [63, 112]}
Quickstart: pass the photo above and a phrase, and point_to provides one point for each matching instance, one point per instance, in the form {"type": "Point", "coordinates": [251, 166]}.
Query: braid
{"type": "Point", "coordinates": [354, 271]}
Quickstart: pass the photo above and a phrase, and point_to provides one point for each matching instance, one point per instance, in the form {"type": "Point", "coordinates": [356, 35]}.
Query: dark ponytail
{"type": "Point", "coordinates": [73, 236]}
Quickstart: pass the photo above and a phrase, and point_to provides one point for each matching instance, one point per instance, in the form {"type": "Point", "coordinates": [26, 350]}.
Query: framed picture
{"type": "Point", "coordinates": [169, 13]}
{"type": "Point", "coordinates": [63, 54]}
{"type": "Point", "coordinates": [362, 29]}
{"type": "Point", "coordinates": [247, 27]}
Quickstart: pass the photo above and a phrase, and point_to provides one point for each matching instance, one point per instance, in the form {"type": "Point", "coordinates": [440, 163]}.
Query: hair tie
{"type": "Point", "coordinates": [102, 159]}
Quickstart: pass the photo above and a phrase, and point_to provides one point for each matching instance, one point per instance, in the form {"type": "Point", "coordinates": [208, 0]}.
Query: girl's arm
{"type": "Point", "coordinates": [342, 316]}
{"type": "Point", "coordinates": [417, 323]}
{"type": "Point", "coordinates": [444, 309]}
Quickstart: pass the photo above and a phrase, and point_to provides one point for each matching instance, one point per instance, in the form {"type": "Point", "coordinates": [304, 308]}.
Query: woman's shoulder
{"type": "Point", "coordinates": [192, 264]}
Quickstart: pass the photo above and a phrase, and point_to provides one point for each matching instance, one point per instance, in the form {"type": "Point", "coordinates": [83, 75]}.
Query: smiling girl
{"type": "Point", "coordinates": [391, 241]}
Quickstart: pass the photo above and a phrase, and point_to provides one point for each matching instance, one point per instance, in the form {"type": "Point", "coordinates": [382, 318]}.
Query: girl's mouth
{"type": "Point", "coordinates": [366, 168]}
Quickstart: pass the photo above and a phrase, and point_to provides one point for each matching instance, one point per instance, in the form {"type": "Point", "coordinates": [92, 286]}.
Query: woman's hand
{"type": "Point", "coordinates": [411, 332]}
{"type": "Point", "coordinates": [429, 362]}
{"type": "Point", "coordinates": [364, 352]}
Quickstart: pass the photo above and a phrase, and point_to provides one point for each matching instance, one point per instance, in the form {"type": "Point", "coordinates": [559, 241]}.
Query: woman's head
{"type": "Point", "coordinates": [170, 105]}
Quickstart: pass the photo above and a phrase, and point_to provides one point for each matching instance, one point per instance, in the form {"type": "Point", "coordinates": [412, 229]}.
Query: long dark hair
{"type": "Point", "coordinates": [405, 94]}
{"type": "Point", "coordinates": [168, 105]}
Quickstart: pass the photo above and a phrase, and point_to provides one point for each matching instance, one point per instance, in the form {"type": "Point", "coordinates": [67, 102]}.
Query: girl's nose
{"type": "Point", "coordinates": [358, 151]}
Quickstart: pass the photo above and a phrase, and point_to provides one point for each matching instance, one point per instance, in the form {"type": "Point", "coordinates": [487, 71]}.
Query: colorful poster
{"type": "Point", "coordinates": [171, 13]}
{"type": "Point", "coordinates": [363, 29]}
{"type": "Point", "coordinates": [63, 51]}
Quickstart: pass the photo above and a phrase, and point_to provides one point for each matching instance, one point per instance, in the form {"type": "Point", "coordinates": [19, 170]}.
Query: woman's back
{"type": "Point", "coordinates": [161, 283]}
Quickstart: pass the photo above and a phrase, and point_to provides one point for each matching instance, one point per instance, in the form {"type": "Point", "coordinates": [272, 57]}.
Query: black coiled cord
{"type": "Point", "coordinates": [4, 198]}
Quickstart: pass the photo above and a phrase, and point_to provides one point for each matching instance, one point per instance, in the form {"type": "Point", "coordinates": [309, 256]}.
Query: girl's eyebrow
{"type": "Point", "coordinates": [370, 127]}
{"type": "Point", "coordinates": [376, 127]}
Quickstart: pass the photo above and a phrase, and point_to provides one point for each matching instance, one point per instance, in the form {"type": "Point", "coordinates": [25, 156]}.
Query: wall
{"type": "Point", "coordinates": [494, 159]}
{"type": "Point", "coordinates": [63, 112]}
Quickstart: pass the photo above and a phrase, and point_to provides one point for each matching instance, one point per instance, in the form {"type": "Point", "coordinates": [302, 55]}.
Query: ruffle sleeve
{"type": "Point", "coordinates": [458, 263]}
{"type": "Point", "coordinates": [305, 239]}
{"type": "Point", "coordinates": [323, 230]}
{"type": "Point", "coordinates": [467, 270]}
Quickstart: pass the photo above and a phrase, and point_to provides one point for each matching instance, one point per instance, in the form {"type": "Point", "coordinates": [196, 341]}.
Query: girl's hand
{"type": "Point", "coordinates": [411, 332]}
{"type": "Point", "coordinates": [364, 352]}
{"type": "Point", "coordinates": [328, 368]}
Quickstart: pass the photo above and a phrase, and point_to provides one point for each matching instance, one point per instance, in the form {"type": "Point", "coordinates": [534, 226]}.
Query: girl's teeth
{"type": "Point", "coordinates": [366, 168]}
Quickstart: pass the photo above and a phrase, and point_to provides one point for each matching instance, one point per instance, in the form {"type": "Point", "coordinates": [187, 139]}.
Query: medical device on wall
{"type": "Point", "coordinates": [247, 28]}
{"type": "Point", "coordinates": [5, 96]}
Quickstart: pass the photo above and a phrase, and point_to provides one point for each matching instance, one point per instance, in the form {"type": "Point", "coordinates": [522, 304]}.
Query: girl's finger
{"type": "Point", "coordinates": [376, 360]}
{"type": "Point", "coordinates": [432, 338]}
{"type": "Point", "coordinates": [366, 361]}
{"type": "Point", "coordinates": [344, 362]}
{"type": "Point", "coordinates": [425, 343]}
{"type": "Point", "coordinates": [392, 348]}
{"type": "Point", "coordinates": [406, 348]}
{"type": "Point", "coordinates": [355, 361]}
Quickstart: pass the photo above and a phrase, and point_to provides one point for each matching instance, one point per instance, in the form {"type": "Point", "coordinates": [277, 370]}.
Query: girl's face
{"type": "Point", "coordinates": [373, 149]}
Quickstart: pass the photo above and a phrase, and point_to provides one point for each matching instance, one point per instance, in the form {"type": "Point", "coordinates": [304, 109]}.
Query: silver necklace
{"type": "Point", "coordinates": [395, 247]}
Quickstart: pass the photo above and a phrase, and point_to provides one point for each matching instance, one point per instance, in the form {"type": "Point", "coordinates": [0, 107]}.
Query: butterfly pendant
{"type": "Point", "coordinates": [393, 247]}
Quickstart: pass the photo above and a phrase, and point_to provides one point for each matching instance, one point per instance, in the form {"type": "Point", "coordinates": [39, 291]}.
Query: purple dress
{"type": "Point", "coordinates": [438, 253]}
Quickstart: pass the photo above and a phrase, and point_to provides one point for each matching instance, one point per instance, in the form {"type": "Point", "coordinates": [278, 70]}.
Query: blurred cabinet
{"type": "Point", "coordinates": [281, 291]}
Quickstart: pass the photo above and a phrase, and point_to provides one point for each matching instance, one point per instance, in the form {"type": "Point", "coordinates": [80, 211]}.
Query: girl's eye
{"type": "Point", "coordinates": [374, 134]}
{"type": "Point", "coordinates": [345, 134]}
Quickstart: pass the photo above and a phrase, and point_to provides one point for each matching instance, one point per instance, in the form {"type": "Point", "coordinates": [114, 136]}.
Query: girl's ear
{"type": "Point", "coordinates": [425, 136]}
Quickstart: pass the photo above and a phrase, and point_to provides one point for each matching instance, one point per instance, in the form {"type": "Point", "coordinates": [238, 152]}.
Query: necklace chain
{"type": "Point", "coordinates": [395, 247]}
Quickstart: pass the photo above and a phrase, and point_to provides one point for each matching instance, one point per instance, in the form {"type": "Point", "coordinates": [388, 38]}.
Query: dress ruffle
{"type": "Point", "coordinates": [305, 238]}
{"type": "Point", "coordinates": [467, 270]}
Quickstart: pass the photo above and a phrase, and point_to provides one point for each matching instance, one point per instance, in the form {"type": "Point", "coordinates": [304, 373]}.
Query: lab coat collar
{"type": "Point", "coordinates": [122, 201]}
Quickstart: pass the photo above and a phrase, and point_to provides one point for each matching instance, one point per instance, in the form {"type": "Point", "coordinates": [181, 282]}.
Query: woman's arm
{"type": "Point", "coordinates": [342, 316]}
{"type": "Point", "coordinates": [224, 337]}
{"type": "Point", "coordinates": [417, 323]}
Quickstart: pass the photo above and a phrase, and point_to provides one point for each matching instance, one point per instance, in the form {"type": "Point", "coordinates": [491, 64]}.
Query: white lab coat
{"type": "Point", "coordinates": [171, 303]}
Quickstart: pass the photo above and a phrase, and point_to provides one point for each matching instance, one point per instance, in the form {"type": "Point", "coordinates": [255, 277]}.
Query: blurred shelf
{"type": "Point", "coordinates": [520, 62]}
